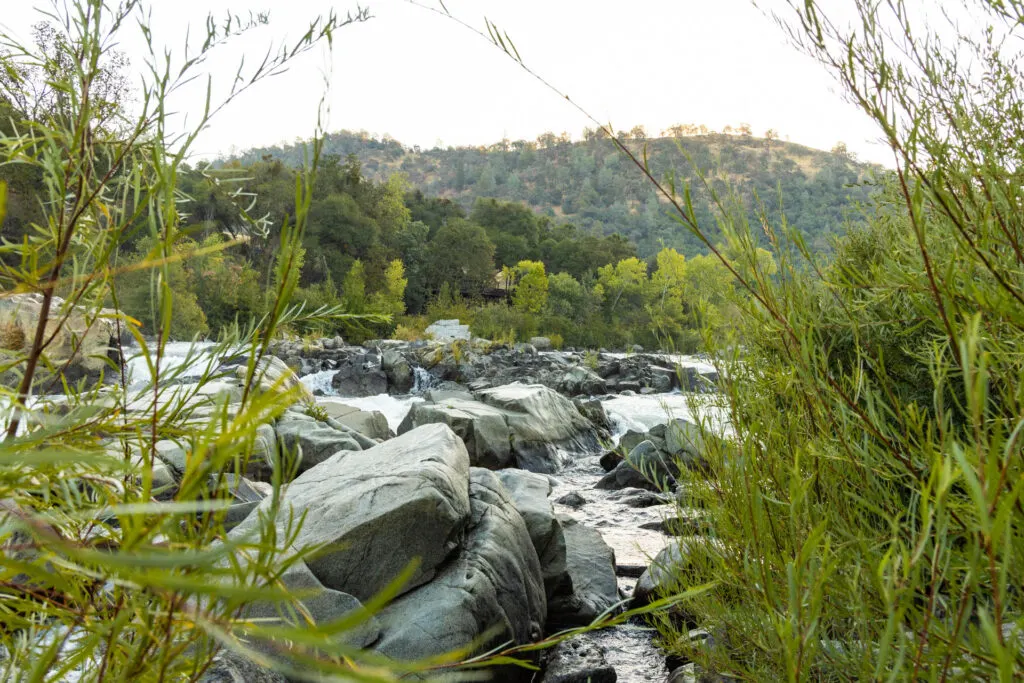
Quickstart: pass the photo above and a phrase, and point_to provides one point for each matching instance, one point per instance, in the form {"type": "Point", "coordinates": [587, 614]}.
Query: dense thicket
{"type": "Point", "coordinates": [590, 184]}
{"type": "Point", "coordinates": [866, 517]}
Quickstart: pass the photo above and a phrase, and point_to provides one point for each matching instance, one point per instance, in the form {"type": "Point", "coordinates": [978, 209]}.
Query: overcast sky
{"type": "Point", "coordinates": [425, 80]}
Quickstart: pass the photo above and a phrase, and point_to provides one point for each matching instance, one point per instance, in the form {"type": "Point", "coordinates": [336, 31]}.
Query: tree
{"type": "Point", "coordinates": [391, 299]}
{"type": "Point", "coordinates": [462, 255]}
{"type": "Point", "coordinates": [531, 291]}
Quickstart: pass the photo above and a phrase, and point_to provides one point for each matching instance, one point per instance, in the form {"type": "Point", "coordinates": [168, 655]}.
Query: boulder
{"type": "Point", "coordinates": [529, 492]}
{"type": "Point", "coordinates": [398, 372]}
{"type": "Point", "coordinates": [312, 442]}
{"type": "Point", "coordinates": [541, 343]}
{"type": "Point", "coordinates": [322, 605]}
{"type": "Point", "coordinates": [447, 331]}
{"type": "Point", "coordinates": [573, 500]}
{"type": "Point", "coordinates": [593, 410]}
{"type": "Point", "coordinates": [482, 428]}
{"type": "Point", "coordinates": [582, 381]}
{"type": "Point", "coordinates": [378, 510]}
{"type": "Point", "coordinates": [492, 586]}
{"type": "Point", "coordinates": [684, 441]}
{"type": "Point", "coordinates": [609, 460]}
{"type": "Point", "coordinates": [661, 574]}
{"type": "Point", "coordinates": [369, 423]}
{"type": "Point", "coordinates": [578, 660]}
{"type": "Point", "coordinates": [541, 423]}
{"type": "Point", "coordinates": [273, 374]}
{"type": "Point", "coordinates": [230, 667]}
{"type": "Point", "coordinates": [590, 564]}
{"type": "Point", "coordinates": [646, 467]}
{"type": "Point", "coordinates": [360, 375]}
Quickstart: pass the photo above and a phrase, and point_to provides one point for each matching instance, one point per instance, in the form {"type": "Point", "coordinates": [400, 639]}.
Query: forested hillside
{"type": "Point", "coordinates": [595, 187]}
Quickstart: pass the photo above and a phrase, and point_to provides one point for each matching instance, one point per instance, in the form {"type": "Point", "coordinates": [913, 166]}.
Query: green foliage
{"type": "Point", "coordinates": [531, 292]}
{"type": "Point", "coordinates": [598, 191]}
{"type": "Point", "coordinates": [866, 518]}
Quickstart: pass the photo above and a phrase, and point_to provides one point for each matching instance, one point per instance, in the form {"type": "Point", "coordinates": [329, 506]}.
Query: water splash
{"type": "Point", "coordinates": [320, 382]}
{"type": "Point", "coordinates": [422, 380]}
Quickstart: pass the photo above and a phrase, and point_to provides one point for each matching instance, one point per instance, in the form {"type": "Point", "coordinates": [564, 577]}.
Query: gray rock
{"type": "Point", "coordinates": [530, 492]}
{"type": "Point", "coordinates": [684, 441]}
{"type": "Point", "coordinates": [398, 372]}
{"type": "Point", "coordinates": [230, 667]}
{"type": "Point", "coordinates": [591, 566]}
{"type": "Point", "coordinates": [645, 467]}
{"type": "Point", "coordinates": [578, 660]}
{"type": "Point", "coordinates": [609, 460]}
{"type": "Point", "coordinates": [541, 343]}
{"type": "Point", "coordinates": [662, 379]}
{"type": "Point", "coordinates": [541, 422]}
{"type": "Point", "coordinates": [311, 441]}
{"type": "Point", "coordinates": [378, 510]}
{"type": "Point", "coordinates": [360, 375]}
{"type": "Point", "coordinates": [573, 500]}
{"type": "Point", "coordinates": [272, 373]}
{"type": "Point", "coordinates": [494, 582]}
{"type": "Point", "coordinates": [582, 381]}
{"type": "Point", "coordinates": [323, 606]}
{"type": "Point", "coordinates": [593, 410]}
{"type": "Point", "coordinates": [661, 576]}
{"type": "Point", "coordinates": [447, 331]}
{"type": "Point", "coordinates": [482, 428]}
{"type": "Point", "coordinates": [369, 423]}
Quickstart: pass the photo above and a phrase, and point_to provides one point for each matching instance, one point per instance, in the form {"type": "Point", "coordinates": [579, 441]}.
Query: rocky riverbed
{"type": "Point", "coordinates": [505, 480]}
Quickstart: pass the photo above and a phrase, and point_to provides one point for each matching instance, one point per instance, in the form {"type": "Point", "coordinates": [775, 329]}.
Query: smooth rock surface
{"type": "Point", "coordinates": [590, 564]}
{"type": "Point", "coordinates": [530, 492]}
{"type": "Point", "coordinates": [493, 582]}
{"type": "Point", "coordinates": [378, 510]}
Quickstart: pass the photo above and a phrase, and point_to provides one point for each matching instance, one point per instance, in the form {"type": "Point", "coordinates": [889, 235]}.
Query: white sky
{"type": "Point", "coordinates": [425, 80]}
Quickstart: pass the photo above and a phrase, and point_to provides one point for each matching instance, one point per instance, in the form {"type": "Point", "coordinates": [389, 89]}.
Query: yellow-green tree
{"type": "Point", "coordinates": [531, 292]}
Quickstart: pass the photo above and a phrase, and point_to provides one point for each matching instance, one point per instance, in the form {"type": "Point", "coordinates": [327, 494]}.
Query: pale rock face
{"type": "Point", "coordinates": [84, 340]}
{"type": "Point", "coordinates": [448, 330]}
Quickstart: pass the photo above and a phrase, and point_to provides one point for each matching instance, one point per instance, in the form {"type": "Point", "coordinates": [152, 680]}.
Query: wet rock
{"type": "Point", "coordinates": [530, 492]}
{"type": "Point", "coordinates": [541, 423]}
{"type": "Point", "coordinates": [662, 574]}
{"type": "Point", "coordinates": [646, 467]}
{"type": "Point", "coordinates": [398, 372]}
{"type": "Point", "coordinates": [591, 567]}
{"type": "Point", "coordinates": [594, 411]}
{"type": "Point", "coordinates": [578, 660]}
{"type": "Point", "coordinates": [360, 375]}
{"type": "Point", "coordinates": [573, 500]}
{"type": "Point", "coordinates": [582, 381]}
{"type": "Point", "coordinates": [493, 581]}
{"type": "Point", "coordinates": [377, 510]}
{"type": "Point", "coordinates": [610, 460]}
{"type": "Point", "coordinates": [636, 498]}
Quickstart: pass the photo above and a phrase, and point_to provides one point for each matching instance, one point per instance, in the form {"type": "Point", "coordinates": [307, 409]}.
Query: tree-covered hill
{"type": "Point", "coordinates": [594, 186]}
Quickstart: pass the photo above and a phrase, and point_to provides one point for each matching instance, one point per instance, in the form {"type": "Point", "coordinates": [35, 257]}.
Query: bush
{"type": "Point", "coordinates": [867, 515]}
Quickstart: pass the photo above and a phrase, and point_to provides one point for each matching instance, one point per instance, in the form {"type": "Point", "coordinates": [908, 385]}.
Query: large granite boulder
{"type": "Point", "coordinates": [662, 575]}
{"type": "Point", "coordinates": [590, 564]}
{"type": "Point", "coordinates": [492, 586]}
{"type": "Point", "coordinates": [529, 492]}
{"type": "Point", "coordinates": [581, 381]}
{"type": "Point", "coordinates": [311, 441]}
{"type": "Point", "coordinates": [321, 605]}
{"type": "Point", "coordinates": [483, 428]}
{"type": "Point", "coordinates": [379, 510]}
{"type": "Point", "coordinates": [398, 371]}
{"type": "Point", "coordinates": [541, 423]}
{"type": "Point", "coordinates": [360, 375]}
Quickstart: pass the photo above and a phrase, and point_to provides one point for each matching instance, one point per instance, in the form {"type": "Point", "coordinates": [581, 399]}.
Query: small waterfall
{"type": "Point", "coordinates": [422, 380]}
{"type": "Point", "coordinates": [320, 382]}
